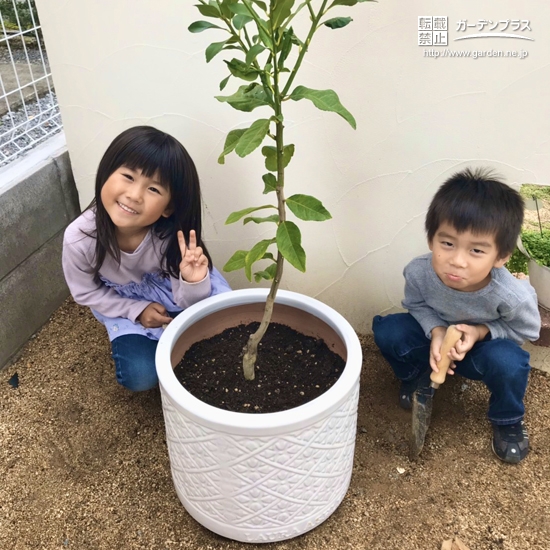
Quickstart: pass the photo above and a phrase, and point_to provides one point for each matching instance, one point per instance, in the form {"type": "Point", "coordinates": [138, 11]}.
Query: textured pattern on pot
{"type": "Point", "coordinates": [260, 477]}
{"type": "Point", "coordinates": [262, 488]}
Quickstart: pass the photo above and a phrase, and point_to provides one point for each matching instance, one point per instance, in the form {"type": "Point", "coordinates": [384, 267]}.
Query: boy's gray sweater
{"type": "Point", "coordinates": [507, 306]}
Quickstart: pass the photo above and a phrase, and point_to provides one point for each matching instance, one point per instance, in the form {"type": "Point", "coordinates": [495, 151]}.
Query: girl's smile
{"type": "Point", "coordinates": [126, 208]}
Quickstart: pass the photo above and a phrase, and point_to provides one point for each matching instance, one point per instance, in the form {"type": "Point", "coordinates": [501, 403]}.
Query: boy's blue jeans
{"type": "Point", "coordinates": [501, 364]}
{"type": "Point", "coordinates": [134, 357]}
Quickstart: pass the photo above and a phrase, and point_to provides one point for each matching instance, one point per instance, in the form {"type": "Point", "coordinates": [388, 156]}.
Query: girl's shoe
{"type": "Point", "coordinates": [511, 442]}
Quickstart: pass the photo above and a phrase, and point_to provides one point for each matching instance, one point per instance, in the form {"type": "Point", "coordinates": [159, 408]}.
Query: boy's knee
{"type": "Point", "coordinates": [507, 360]}
{"type": "Point", "coordinates": [387, 329]}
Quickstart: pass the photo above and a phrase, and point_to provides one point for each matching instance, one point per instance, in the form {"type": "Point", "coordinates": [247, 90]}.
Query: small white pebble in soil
{"type": "Point", "coordinates": [301, 393]}
{"type": "Point", "coordinates": [400, 470]}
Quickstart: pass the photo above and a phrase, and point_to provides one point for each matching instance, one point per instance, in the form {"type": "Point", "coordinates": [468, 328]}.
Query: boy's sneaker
{"type": "Point", "coordinates": [511, 442]}
{"type": "Point", "coordinates": [407, 389]}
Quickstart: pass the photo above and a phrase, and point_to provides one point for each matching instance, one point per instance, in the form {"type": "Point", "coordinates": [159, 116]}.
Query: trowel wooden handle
{"type": "Point", "coordinates": [452, 336]}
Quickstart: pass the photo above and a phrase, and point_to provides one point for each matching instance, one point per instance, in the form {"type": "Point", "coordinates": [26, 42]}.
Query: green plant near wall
{"type": "Point", "coordinates": [535, 242]}
{"type": "Point", "coordinates": [23, 19]}
{"type": "Point", "coordinates": [267, 53]}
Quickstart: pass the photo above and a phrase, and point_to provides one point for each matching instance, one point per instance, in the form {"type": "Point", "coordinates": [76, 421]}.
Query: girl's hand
{"type": "Point", "coordinates": [154, 316]}
{"type": "Point", "coordinates": [194, 264]}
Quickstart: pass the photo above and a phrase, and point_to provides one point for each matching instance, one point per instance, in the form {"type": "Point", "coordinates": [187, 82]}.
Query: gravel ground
{"type": "Point", "coordinates": [25, 127]}
{"type": "Point", "coordinates": [84, 463]}
{"type": "Point", "coordinates": [34, 123]}
{"type": "Point", "coordinates": [19, 55]}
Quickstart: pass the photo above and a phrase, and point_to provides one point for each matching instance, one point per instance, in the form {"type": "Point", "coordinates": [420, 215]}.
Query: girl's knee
{"type": "Point", "coordinates": [136, 382]}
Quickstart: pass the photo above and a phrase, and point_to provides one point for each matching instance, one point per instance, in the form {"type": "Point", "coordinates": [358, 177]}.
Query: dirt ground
{"type": "Point", "coordinates": [84, 465]}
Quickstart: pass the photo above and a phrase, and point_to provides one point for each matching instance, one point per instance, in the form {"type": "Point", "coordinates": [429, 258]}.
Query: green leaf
{"type": "Point", "coordinates": [236, 216]}
{"type": "Point", "coordinates": [253, 137]}
{"type": "Point", "coordinates": [270, 182]}
{"type": "Point", "coordinates": [199, 26]}
{"type": "Point", "coordinates": [268, 273]}
{"type": "Point", "coordinates": [285, 47]}
{"type": "Point", "coordinates": [348, 2]}
{"type": "Point", "coordinates": [337, 22]}
{"type": "Point", "coordinates": [325, 100]}
{"type": "Point", "coordinates": [214, 49]}
{"type": "Point", "coordinates": [209, 10]}
{"type": "Point", "coordinates": [308, 208]}
{"type": "Point", "coordinates": [224, 82]}
{"type": "Point", "coordinates": [270, 154]}
{"type": "Point", "coordinates": [246, 99]}
{"type": "Point", "coordinates": [256, 253]}
{"type": "Point", "coordinates": [236, 261]}
{"type": "Point", "coordinates": [225, 4]}
{"type": "Point", "coordinates": [240, 69]}
{"type": "Point", "coordinates": [230, 143]}
{"type": "Point", "coordinates": [239, 9]}
{"type": "Point", "coordinates": [269, 256]}
{"type": "Point", "coordinates": [239, 21]}
{"type": "Point", "coordinates": [264, 35]}
{"type": "Point", "coordinates": [289, 244]}
{"type": "Point", "coordinates": [256, 50]}
{"type": "Point", "coordinates": [275, 218]}
{"type": "Point", "coordinates": [280, 10]}
{"type": "Point", "coordinates": [260, 4]}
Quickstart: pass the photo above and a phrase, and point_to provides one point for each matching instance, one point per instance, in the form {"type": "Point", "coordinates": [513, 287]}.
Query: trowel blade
{"type": "Point", "coordinates": [421, 416]}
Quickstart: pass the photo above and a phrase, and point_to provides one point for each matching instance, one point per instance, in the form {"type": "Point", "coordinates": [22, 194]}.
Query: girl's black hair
{"type": "Point", "coordinates": [153, 152]}
{"type": "Point", "coordinates": [477, 201]}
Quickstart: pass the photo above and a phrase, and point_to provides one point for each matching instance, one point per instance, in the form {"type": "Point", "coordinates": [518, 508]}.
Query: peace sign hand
{"type": "Point", "coordinates": [194, 264]}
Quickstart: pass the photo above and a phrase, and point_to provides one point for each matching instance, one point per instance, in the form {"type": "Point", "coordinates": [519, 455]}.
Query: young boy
{"type": "Point", "coordinates": [472, 226]}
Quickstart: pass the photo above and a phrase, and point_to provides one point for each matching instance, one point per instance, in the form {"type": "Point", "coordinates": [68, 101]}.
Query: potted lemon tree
{"type": "Point", "coordinates": [264, 477]}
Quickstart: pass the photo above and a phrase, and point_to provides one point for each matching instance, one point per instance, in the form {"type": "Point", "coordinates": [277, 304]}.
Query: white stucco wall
{"type": "Point", "coordinates": [118, 63]}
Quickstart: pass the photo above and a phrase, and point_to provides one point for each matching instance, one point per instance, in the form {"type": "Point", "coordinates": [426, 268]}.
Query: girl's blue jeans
{"type": "Point", "coordinates": [134, 357]}
{"type": "Point", "coordinates": [501, 364]}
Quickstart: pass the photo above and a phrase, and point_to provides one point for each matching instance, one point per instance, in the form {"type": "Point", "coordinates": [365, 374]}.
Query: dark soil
{"type": "Point", "coordinates": [292, 369]}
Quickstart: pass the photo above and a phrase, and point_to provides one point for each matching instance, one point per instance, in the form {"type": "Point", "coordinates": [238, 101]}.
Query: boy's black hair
{"type": "Point", "coordinates": [153, 152]}
{"type": "Point", "coordinates": [477, 201]}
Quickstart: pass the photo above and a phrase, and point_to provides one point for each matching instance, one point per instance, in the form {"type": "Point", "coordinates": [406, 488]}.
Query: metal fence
{"type": "Point", "coordinates": [29, 112]}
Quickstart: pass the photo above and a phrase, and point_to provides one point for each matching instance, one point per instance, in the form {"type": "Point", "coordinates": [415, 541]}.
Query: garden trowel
{"type": "Point", "coordinates": [423, 397]}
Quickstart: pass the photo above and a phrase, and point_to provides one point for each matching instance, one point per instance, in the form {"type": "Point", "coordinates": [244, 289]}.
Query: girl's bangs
{"type": "Point", "coordinates": [151, 160]}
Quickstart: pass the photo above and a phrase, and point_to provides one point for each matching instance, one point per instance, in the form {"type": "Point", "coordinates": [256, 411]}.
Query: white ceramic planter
{"type": "Point", "coordinates": [539, 277]}
{"type": "Point", "coordinates": [260, 477]}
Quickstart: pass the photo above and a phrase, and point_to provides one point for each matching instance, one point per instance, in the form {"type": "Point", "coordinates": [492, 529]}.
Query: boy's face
{"type": "Point", "coordinates": [463, 261]}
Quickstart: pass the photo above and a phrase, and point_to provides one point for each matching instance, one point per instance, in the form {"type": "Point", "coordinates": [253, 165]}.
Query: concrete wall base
{"type": "Point", "coordinates": [35, 207]}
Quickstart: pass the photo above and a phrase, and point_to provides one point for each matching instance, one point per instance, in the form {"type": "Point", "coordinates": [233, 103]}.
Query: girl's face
{"type": "Point", "coordinates": [133, 201]}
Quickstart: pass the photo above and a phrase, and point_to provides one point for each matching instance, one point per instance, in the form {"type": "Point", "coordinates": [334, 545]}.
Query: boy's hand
{"type": "Point", "coordinates": [154, 316]}
{"type": "Point", "coordinates": [470, 335]}
{"type": "Point", "coordinates": [438, 335]}
{"type": "Point", "coordinates": [194, 264]}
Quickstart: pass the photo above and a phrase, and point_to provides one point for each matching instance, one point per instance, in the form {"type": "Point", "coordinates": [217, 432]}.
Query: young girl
{"type": "Point", "coordinates": [136, 255]}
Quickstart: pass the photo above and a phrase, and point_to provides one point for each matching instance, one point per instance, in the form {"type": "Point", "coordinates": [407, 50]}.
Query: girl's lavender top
{"type": "Point", "coordinates": [123, 291]}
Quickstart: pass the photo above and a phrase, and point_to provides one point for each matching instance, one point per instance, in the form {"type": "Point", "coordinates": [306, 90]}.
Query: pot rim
{"type": "Point", "coordinates": [263, 422]}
